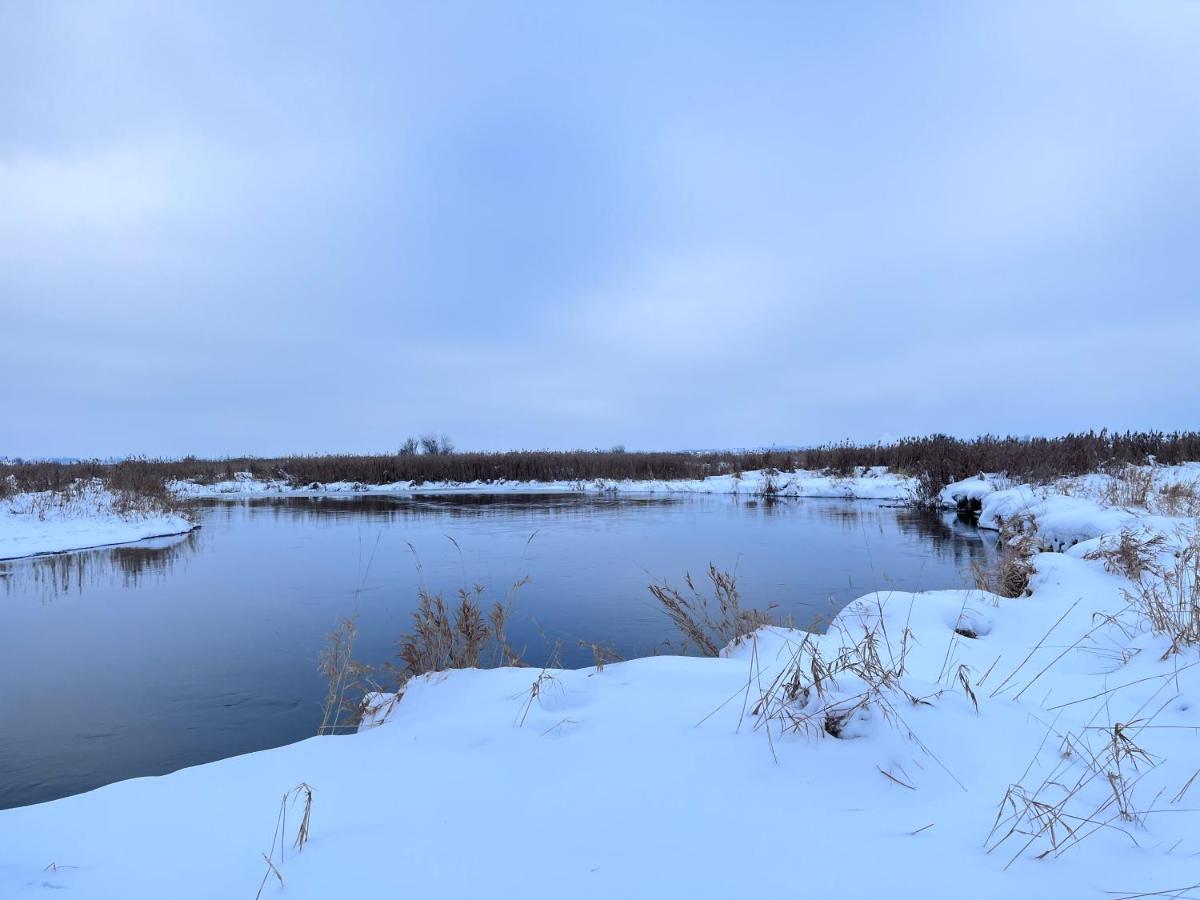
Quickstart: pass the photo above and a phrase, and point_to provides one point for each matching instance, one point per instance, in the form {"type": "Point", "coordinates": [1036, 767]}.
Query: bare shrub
{"type": "Point", "coordinates": [707, 624]}
{"type": "Point", "coordinates": [1008, 572]}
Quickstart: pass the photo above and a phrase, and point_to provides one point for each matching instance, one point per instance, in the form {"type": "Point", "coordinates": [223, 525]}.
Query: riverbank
{"type": "Point", "coordinates": [87, 514]}
{"type": "Point", "coordinates": [1042, 746]}
{"type": "Point", "coordinates": [863, 484]}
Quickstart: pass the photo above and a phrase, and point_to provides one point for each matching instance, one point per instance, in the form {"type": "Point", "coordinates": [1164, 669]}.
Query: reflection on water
{"type": "Point", "coordinates": [125, 565]}
{"type": "Point", "coordinates": [143, 658]}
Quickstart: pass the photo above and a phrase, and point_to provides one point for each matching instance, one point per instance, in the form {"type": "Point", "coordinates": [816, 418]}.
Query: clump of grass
{"type": "Point", "coordinates": [1168, 596]}
{"type": "Point", "coordinates": [443, 639]}
{"type": "Point", "coordinates": [709, 624]}
{"type": "Point", "coordinates": [1132, 553]}
{"type": "Point", "coordinates": [1178, 499]}
{"type": "Point", "coordinates": [927, 493]}
{"type": "Point", "coordinates": [348, 680]}
{"type": "Point", "coordinates": [1066, 806]}
{"type": "Point", "coordinates": [814, 695]}
{"type": "Point", "coordinates": [1130, 485]}
{"type": "Point", "coordinates": [1008, 572]}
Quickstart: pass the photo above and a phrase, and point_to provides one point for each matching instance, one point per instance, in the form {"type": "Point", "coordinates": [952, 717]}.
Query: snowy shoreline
{"type": "Point", "coordinates": [90, 516]}
{"type": "Point", "coordinates": [865, 484]}
{"type": "Point", "coordinates": [1060, 715]}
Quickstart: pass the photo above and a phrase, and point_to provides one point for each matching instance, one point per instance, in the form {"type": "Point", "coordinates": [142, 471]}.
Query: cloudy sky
{"type": "Point", "coordinates": [293, 227]}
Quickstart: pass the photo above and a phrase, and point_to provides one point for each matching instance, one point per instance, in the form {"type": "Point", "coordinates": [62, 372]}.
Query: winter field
{"type": "Point", "coordinates": [1036, 739]}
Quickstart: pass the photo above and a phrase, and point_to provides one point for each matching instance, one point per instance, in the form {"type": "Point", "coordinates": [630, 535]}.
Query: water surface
{"type": "Point", "coordinates": [142, 659]}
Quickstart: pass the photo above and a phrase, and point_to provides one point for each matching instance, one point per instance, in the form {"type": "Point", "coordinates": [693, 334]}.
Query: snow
{"type": "Point", "coordinates": [865, 484]}
{"type": "Point", "coordinates": [650, 778]}
{"type": "Point", "coordinates": [87, 516]}
{"type": "Point", "coordinates": [1064, 521]}
{"type": "Point", "coordinates": [968, 489]}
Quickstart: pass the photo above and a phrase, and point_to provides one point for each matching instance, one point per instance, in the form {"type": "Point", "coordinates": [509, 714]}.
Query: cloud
{"type": "Point", "coordinates": [283, 228]}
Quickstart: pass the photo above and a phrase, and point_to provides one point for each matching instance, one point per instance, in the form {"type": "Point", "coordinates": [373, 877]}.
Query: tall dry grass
{"type": "Point", "coordinates": [460, 636]}
{"type": "Point", "coordinates": [938, 459]}
{"type": "Point", "coordinates": [709, 623]}
{"type": "Point", "coordinates": [1008, 571]}
{"type": "Point", "coordinates": [1167, 594]}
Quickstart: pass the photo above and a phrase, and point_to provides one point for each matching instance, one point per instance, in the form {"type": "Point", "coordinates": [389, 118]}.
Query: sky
{"type": "Point", "coordinates": [271, 228]}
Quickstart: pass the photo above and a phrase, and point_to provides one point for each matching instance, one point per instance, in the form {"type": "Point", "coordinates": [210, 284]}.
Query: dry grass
{"type": "Point", "coordinates": [443, 639]}
{"type": "Point", "coordinates": [937, 458]}
{"type": "Point", "coordinates": [279, 839]}
{"type": "Point", "coordinates": [816, 695]}
{"type": "Point", "coordinates": [1130, 486]}
{"type": "Point", "coordinates": [1167, 595]}
{"type": "Point", "coordinates": [709, 624]}
{"type": "Point", "coordinates": [1178, 499]}
{"type": "Point", "coordinates": [1065, 807]}
{"type": "Point", "coordinates": [602, 654]}
{"type": "Point", "coordinates": [1008, 572]}
{"type": "Point", "coordinates": [349, 681]}
{"type": "Point", "coordinates": [89, 497]}
{"type": "Point", "coordinates": [1132, 553]}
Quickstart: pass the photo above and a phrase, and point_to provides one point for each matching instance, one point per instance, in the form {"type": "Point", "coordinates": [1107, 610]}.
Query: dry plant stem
{"type": "Point", "coordinates": [709, 624]}
{"type": "Point", "coordinates": [1009, 573]}
{"type": "Point", "coordinates": [1036, 647]}
{"type": "Point", "coordinates": [443, 640]}
{"type": "Point", "coordinates": [279, 838]}
{"type": "Point", "coordinates": [1168, 596]}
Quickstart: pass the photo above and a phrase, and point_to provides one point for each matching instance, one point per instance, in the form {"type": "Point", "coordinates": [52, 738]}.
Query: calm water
{"type": "Point", "coordinates": [141, 659]}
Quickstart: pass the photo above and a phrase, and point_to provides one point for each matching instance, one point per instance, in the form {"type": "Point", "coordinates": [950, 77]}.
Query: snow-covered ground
{"type": "Point", "coordinates": [1076, 509]}
{"type": "Point", "coordinates": [87, 516]}
{"type": "Point", "coordinates": [946, 744]}
{"type": "Point", "coordinates": [866, 484]}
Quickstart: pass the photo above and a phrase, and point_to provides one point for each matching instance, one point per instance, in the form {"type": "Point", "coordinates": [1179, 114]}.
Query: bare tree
{"type": "Point", "coordinates": [433, 445]}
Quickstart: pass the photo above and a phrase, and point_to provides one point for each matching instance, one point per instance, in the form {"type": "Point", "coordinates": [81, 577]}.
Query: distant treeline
{"type": "Point", "coordinates": [941, 459]}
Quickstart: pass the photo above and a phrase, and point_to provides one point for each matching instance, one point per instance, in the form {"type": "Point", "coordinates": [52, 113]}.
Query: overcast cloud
{"type": "Point", "coordinates": [292, 227]}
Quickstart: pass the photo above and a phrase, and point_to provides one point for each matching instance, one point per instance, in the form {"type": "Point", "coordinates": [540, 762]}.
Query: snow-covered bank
{"type": "Point", "coordinates": [1078, 509]}
{"type": "Point", "coordinates": [650, 777]}
{"type": "Point", "coordinates": [865, 484]}
{"type": "Point", "coordinates": [89, 515]}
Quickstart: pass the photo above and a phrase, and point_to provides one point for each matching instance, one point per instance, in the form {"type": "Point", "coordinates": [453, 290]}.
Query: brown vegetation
{"type": "Point", "coordinates": [939, 459]}
{"type": "Point", "coordinates": [708, 626]}
{"type": "Point", "coordinates": [1008, 572]}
